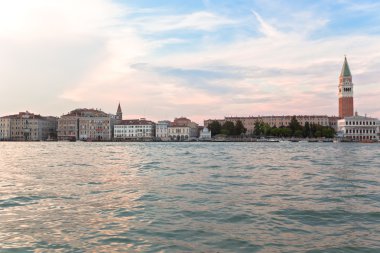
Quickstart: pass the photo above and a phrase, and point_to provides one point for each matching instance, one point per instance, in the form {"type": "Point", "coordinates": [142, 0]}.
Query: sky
{"type": "Point", "coordinates": [200, 59]}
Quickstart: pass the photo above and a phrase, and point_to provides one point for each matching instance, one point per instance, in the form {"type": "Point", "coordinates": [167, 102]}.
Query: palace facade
{"type": "Point", "coordinates": [26, 126]}
{"type": "Point", "coordinates": [134, 129]}
{"type": "Point", "coordinates": [359, 128]}
{"type": "Point", "coordinates": [86, 124]}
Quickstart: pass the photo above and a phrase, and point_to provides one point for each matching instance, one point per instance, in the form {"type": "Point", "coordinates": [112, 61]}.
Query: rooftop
{"type": "Point", "coordinates": [26, 115]}
{"type": "Point", "coordinates": [345, 69]}
{"type": "Point", "coordinates": [138, 122]}
{"type": "Point", "coordinates": [84, 112]}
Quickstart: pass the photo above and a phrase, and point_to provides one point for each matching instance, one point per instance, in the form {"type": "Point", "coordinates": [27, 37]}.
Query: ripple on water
{"type": "Point", "coordinates": [189, 197]}
{"type": "Point", "coordinates": [22, 201]}
{"type": "Point", "coordinates": [123, 212]}
{"type": "Point", "coordinates": [327, 217]}
{"type": "Point", "coordinates": [236, 245]}
{"type": "Point", "coordinates": [345, 250]}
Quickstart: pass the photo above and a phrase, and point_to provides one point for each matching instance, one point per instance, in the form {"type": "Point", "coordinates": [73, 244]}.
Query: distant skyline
{"type": "Point", "coordinates": [199, 59]}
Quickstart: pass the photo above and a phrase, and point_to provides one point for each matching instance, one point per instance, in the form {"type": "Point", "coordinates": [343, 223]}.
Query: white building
{"type": "Point", "coordinates": [179, 133]}
{"type": "Point", "coordinates": [162, 130]}
{"type": "Point", "coordinates": [359, 128]}
{"type": "Point", "coordinates": [136, 129]}
{"type": "Point", "coordinates": [205, 134]}
{"type": "Point", "coordinates": [183, 129]}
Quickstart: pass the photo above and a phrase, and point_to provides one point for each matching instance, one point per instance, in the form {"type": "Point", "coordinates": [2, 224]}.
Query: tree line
{"type": "Point", "coordinates": [261, 129]}
{"type": "Point", "coordinates": [228, 128]}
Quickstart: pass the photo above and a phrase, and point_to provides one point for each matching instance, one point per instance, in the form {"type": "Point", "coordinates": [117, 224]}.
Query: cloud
{"type": "Point", "coordinates": [58, 50]}
{"type": "Point", "coordinates": [67, 54]}
{"type": "Point", "coordinates": [265, 28]}
{"type": "Point", "coordinates": [42, 20]}
{"type": "Point", "coordinates": [201, 20]}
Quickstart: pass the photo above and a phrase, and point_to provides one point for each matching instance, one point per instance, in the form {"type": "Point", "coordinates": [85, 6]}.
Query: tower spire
{"type": "Point", "coordinates": [119, 114]}
{"type": "Point", "coordinates": [345, 72]}
{"type": "Point", "coordinates": [119, 108]}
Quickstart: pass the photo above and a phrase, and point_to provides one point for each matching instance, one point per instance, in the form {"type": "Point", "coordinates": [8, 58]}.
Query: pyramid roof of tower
{"type": "Point", "coordinates": [345, 69]}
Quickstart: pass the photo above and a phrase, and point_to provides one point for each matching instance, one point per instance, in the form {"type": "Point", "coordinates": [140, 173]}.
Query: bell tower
{"type": "Point", "coordinates": [119, 114]}
{"type": "Point", "coordinates": [346, 92]}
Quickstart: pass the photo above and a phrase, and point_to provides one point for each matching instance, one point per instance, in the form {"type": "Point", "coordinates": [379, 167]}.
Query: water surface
{"type": "Point", "coordinates": [182, 197]}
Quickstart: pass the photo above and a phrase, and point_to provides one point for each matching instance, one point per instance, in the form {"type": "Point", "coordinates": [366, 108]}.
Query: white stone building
{"type": "Point", "coordinates": [182, 129]}
{"type": "Point", "coordinates": [359, 128]}
{"type": "Point", "coordinates": [135, 129]}
{"type": "Point", "coordinates": [179, 133]}
{"type": "Point", "coordinates": [162, 130]}
{"type": "Point", "coordinates": [205, 134]}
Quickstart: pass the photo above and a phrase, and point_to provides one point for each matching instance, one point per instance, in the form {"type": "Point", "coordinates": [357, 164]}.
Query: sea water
{"type": "Point", "coordinates": [189, 197]}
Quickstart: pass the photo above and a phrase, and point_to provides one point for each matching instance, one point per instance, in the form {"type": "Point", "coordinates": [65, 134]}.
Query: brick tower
{"type": "Point", "coordinates": [346, 92]}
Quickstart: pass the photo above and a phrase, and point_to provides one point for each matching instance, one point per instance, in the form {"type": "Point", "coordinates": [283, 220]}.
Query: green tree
{"type": "Point", "coordinates": [313, 130]}
{"type": "Point", "coordinates": [294, 125]}
{"type": "Point", "coordinates": [239, 128]}
{"type": "Point", "coordinates": [275, 131]}
{"type": "Point", "coordinates": [215, 127]}
{"type": "Point", "coordinates": [266, 129]}
{"type": "Point", "coordinates": [228, 128]}
{"type": "Point", "coordinates": [286, 132]}
{"type": "Point", "coordinates": [328, 132]}
{"type": "Point", "coordinates": [298, 133]}
{"type": "Point", "coordinates": [306, 130]}
{"type": "Point", "coordinates": [258, 129]}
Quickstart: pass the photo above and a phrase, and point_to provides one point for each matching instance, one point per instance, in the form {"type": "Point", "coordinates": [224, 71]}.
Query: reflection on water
{"type": "Point", "coordinates": [202, 197]}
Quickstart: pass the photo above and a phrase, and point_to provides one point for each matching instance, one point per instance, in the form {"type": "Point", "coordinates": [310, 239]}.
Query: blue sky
{"type": "Point", "coordinates": [200, 59]}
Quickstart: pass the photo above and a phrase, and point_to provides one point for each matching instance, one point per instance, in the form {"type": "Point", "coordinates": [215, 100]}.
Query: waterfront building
{"type": "Point", "coordinates": [182, 121]}
{"type": "Point", "coordinates": [135, 129]}
{"type": "Point", "coordinates": [98, 127]}
{"type": "Point", "coordinates": [68, 126]}
{"type": "Point", "coordinates": [359, 128]}
{"type": "Point", "coordinates": [26, 126]}
{"type": "Point", "coordinates": [346, 92]}
{"type": "Point", "coordinates": [205, 134]}
{"type": "Point", "coordinates": [182, 129]}
{"type": "Point", "coordinates": [86, 124]}
{"type": "Point", "coordinates": [277, 121]}
{"type": "Point", "coordinates": [179, 133]}
{"type": "Point", "coordinates": [5, 128]}
{"type": "Point", "coordinates": [162, 130]}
